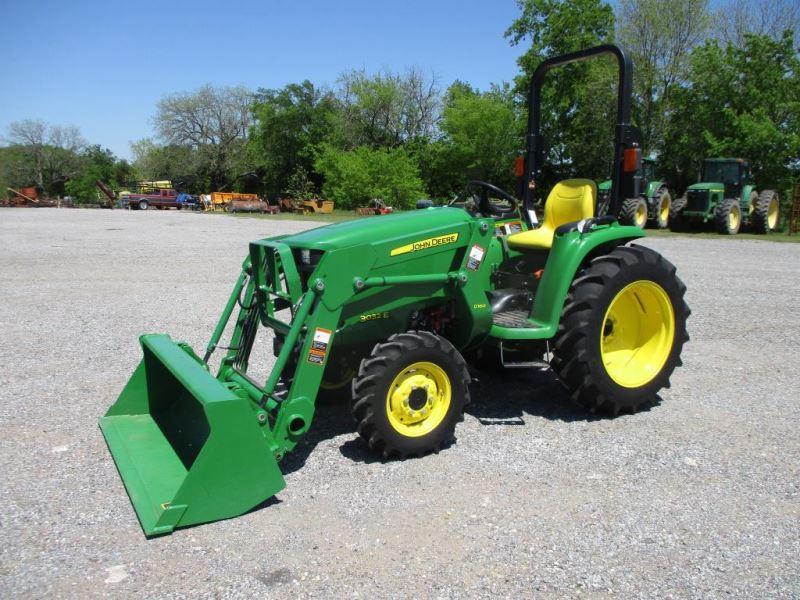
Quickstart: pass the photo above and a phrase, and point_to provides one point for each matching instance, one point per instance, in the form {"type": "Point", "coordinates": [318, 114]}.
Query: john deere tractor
{"type": "Point", "coordinates": [651, 208]}
{"type": "Point", "coordinates": [388, 309]}
{"type": "Point", "coordinates": [726, 196]}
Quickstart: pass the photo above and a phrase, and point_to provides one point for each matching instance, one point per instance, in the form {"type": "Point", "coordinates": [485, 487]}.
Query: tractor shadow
{"type": "Point", "coordinates": [505, 398]}
{"type": "Point", "coordinates": [508, 398]}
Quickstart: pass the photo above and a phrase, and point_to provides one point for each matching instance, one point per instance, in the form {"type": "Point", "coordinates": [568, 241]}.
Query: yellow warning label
{"type": "Point", "coordinates": [439, 240]}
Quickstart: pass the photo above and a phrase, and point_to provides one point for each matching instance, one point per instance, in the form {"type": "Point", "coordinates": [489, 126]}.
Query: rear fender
{"type": "Point", "coordinates": [570, 250]}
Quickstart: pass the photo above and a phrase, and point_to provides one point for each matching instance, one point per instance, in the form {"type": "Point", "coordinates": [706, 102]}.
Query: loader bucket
{"type": "Point", "coordinates": [189, 450]}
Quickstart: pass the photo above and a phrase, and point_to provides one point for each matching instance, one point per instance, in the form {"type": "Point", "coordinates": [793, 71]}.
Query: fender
{"type": "Point", "coordinates": [570, 250]}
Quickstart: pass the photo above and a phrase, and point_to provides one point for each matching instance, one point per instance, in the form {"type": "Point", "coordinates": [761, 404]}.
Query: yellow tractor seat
{"type": "Point", "coordinates": [569, 200]}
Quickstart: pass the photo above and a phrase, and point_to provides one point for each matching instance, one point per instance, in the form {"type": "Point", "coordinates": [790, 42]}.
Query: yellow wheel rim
{"type": "Point", "coordinates": [641, 215]}
{"type": "Point", "coordinates": [664, 209]}
{"type": "Point", "coordinates": [772, 214]}
{"type": "Point", "coordinates": [637, 334]}
{"type": "Point", "coordinates": [418, 399]}
{"type": "Point", "coordinates": [733, 218]}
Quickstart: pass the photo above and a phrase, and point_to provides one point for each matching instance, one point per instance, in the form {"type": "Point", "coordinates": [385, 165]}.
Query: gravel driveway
{"type": "Point", "coordinates": [696, 497]}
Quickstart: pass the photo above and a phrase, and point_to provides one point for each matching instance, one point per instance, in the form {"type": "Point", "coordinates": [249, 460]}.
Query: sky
{"type": "Point", "coordinates": [103, 65]}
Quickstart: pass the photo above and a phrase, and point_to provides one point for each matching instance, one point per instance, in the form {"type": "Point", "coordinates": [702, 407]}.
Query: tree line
{"type": "Point", "coordinates": [706, 83]}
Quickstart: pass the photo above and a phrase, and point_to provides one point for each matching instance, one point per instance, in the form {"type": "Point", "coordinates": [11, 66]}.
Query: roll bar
{"type": "Point", "coordinates": [626, 167]}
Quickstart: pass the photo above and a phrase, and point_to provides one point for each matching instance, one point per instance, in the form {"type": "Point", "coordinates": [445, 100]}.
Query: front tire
{"type": "Point", "coordinates": [766, 212]}
{"type": "Point", "coordinates": [676, 220]}
{"type": "Point", "coordinates": [409, 394]}
{"type": "Point", "coordinates": [622, 330]}
{"type": "Point", "coordinates": [728, 217]}
{"type": "Point", "coordinates": [634, 212]}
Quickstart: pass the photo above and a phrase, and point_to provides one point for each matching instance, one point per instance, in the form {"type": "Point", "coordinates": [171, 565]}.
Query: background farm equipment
{"type": "Point", "coordinates": [375, 207]}
{"type": "Point", "coordinates": [111, 197]}
{"type": "Point", "coordinates": [303, 207]}
{"type": "Point", "coordinates": [251, 206]}
{"type": "Point", "coordinates": [726, 197]}
{"type": "Point", "coordinates": [27, 197]}
{"type": "Point", "coordinates": [221, 200]}
{"type": "Point", "coordinates": [794, 215]}
{"type": "Point", "coordinates": [399, 305]}
{"type": "Point", "coordinates": [651, 207]}
{"type": "Point", "coordinates": [23, 197]}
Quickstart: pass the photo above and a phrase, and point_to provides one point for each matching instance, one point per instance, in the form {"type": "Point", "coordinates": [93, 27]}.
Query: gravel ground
{"type": "Point", "coordinates": [696, 497]}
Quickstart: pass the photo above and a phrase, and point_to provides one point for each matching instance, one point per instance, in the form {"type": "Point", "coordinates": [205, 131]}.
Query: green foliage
{"type": "Point", "coordinates": [300, 185]}
{"type": "Point", "coordinates": [290, 124]}
{"type": "Point", "coordinates": [354, 177]}
{"type": "Point", "coordinates": [578, 99]}
{"type": "Point", "coordinates": [481, 135]}
{"type": "Point", "coordinates": [740, 102]}
{"type": "Point", "coordinates": [557, 27]}
{"type": "Point", "coordinates": [97, 164]}
{"type": "Point", "coordinates": [13, 173]}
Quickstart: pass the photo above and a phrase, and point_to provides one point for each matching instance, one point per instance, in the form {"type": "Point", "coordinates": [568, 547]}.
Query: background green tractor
{"type": "Point", "coordinates": [651, 208]}
{"type": "Point", "coordinates": [726, 196]}
{"type": "Point", "coordinates": [397, 304]}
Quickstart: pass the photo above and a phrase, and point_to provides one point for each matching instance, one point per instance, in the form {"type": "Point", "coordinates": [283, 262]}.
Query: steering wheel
{"type": "Point", "coordinates": [482, 189]}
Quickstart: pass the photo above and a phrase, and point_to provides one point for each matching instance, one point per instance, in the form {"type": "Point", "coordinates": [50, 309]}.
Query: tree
{"type": "Point", "coordinates": [300, 186]}
{"type": "Point", "coordinates": [290, 123]}
{"type": "Point", "coordinates": [387, 109]}
{"type": "Point", "coordinates": [577, 100]}
{"type": "Point", "coordinates": [660, 35]}
{"type": "Point", "coordinates": [481, 135]}
{"type": "Point", "coordinates": [47, 154]}
{"type": "Point", "coordinates": [740, 101]}
{"type": "Point", "coordinates": [212, 120]}
{"type": "Point", "coordinates": [97, 164]}
{"type": "Point", "coordinates": [177, 163]}
{"type": "Point", "coordinates": [354, 177]}
{"type": "Point", "coordinates": [12, 158]}
{"type": "Point", "coordinates": [737, 18]}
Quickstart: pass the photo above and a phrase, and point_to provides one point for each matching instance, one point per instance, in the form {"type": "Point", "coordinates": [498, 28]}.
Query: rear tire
{"type": "Point", "coordinates": [663, 208]}
{"type": "Point", "coordinates": [634, 212]}
{"type": "Point", "coordinates": [409, 394]}
{"type": "Point", "coordinates": [766, 213]}
{"type": "Point", "coordinates": [142, 204]}
{"type": "Point", "coordinates": [622, 330]}
{"type": "Point", "coordinates": [728, 217]}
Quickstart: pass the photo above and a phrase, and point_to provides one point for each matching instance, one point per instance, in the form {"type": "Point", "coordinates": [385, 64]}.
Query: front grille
{"type": "Point", "coordinates": [697, 200]}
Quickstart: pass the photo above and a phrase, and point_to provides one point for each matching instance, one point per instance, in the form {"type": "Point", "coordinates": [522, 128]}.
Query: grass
{"type": "Point", "coordinates": [337, 216]}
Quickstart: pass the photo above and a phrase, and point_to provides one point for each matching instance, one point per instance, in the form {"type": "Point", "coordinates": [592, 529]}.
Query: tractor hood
{"type": "Point", "coordinates": [715, 187]}
{"type": "Point", "coordinates": [377, 229]}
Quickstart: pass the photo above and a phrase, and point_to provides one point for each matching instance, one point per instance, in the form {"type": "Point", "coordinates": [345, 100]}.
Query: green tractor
{"type": "Point", "coordinates": [390, 311]}
{"type": "Point", "coordinates": [726, 196]}
{"type": "Point", "coordinates": [652, 207]}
